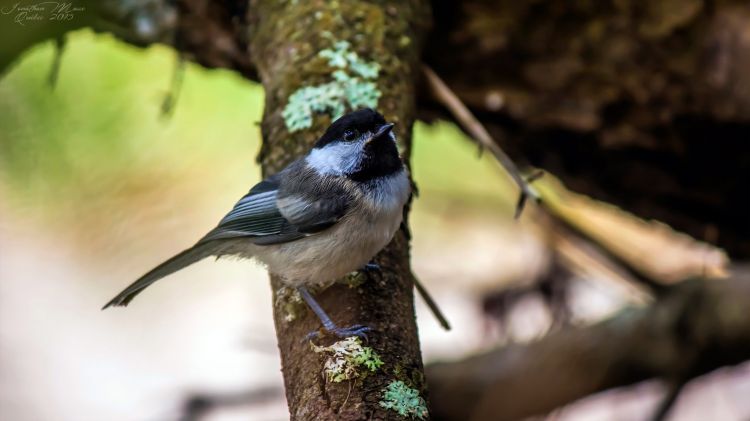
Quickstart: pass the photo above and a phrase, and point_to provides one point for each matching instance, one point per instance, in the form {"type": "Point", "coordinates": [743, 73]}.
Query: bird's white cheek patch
{"type": "Point", "coordinates": [335, 159]}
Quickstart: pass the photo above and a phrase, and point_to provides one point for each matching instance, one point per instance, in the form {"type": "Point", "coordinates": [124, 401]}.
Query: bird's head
{"type": "Point", "coordinates": [359, 145]}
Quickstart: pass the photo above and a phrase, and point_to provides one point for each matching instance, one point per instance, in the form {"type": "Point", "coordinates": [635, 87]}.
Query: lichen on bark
{"type": "Point", "coordinates": [404, 400]}
{"type": "Point", "coordinates": [347, 359]}
{"type": "Point", "coordinates": [353, 86]}
{"type": "Point", "coordinates": [286, 39]}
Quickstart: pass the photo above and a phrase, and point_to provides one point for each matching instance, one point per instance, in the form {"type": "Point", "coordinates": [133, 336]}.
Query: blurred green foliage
{"type": "Point", "coordinates": [98, 138]}
{"type": "Point", "coordinates": [99, 133]}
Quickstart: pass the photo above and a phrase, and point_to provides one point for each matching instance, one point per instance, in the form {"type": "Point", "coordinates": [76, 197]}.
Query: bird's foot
{"type": "Point", "coordinates": [340, 332]}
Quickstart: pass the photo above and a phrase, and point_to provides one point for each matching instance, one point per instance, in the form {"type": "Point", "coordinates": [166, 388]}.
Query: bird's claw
{"type": "Point", "coordinates": [371, 267]}
{"type": "Point", "coordinates": [340, 332]}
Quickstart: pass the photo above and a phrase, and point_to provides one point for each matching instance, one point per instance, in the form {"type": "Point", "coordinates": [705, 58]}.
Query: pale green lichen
{"type": "Point", "coordinates": [341, 57]}
{"type": "Point", "coordinates": [290, 300]}
{"type": "Point", "coordinates": [346, 359]}
{"type": "Point", "coordinates": [355, 279]}
{"type": "Point", "coordinates": [352, 87]}
{"type": "Point", "coordinates": [406, 401]}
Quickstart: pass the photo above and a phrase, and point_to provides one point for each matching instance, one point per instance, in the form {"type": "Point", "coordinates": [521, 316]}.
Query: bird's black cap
{"type": "Point", "coordinates": [362, 120]}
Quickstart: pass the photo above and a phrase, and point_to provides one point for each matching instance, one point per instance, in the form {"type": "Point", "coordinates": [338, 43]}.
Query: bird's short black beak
{"type": "Point", "coordinates": [382, 131]}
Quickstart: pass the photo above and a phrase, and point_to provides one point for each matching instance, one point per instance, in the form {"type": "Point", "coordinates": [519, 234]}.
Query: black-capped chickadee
{"type": "Point", "coordinates": [323, 216]}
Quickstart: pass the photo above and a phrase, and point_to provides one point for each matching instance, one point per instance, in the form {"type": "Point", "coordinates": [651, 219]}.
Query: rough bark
{"type": "Point", "coordinates": [285, 39]}
{"type": "Point", "coordinates": [698, 327]}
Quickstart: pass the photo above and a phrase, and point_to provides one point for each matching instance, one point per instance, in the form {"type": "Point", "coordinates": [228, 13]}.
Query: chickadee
{"type": "Point", "coordinates": [323, 216]}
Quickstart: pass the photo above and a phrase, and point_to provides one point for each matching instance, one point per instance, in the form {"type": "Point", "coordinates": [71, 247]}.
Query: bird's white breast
{"type": "Point", "coordinates": [347, 246]}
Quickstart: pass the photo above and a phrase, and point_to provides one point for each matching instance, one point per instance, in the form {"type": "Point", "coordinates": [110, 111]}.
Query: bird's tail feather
{"type": "Point", "coordinates": [181, 260]}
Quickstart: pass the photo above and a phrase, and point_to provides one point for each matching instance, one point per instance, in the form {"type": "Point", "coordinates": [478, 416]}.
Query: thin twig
{"type": "Point", "coordinates": [669, 400]}
{"type": "Point", "coordinates": [54, 71]}
{"type": "Point", "coordinates": [476, 129]}
{"type": "Point", "coordinates": [464, 116]}
{"type": "Point", "coordinates": [431, 303]}
{"type": "Point", "coordinates": [349, 393]}
{"type": "Point", "coordinates": [170, 99]}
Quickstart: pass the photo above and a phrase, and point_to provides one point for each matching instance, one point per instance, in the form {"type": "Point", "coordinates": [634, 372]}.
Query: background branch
{"type": "Point", "coordinates": [695, 328]}
{"type": "Point", "coordinates": [465, 118]}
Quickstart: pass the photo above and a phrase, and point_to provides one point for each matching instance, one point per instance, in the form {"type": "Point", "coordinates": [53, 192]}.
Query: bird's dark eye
{"type": "Point", "coordinates": [350, 135]}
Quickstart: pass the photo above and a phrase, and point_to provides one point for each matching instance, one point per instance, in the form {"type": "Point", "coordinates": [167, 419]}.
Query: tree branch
{"type": "Point", "coordinates": [698, 327]}
{"type": "Point", "coordinates": [461, 113]}
{"type": "Point", "coordinates": [445, 95]}
{"type": "Point", "coordinates": [209, 33]}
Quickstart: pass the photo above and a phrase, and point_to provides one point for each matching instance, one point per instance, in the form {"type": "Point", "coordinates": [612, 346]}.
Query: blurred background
{"type": "Point", "coordinates": [98, 185]}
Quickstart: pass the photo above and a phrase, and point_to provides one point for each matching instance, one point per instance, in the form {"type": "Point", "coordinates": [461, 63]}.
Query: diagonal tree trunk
{"type": "Point", "coordinates": [285, 40]}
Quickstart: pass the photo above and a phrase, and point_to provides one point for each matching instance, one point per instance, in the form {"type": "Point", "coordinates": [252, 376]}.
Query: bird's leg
{"type": "Point", "coordinates": [328, 325]}
{"type": "Point", "coordinates": [371, 267]}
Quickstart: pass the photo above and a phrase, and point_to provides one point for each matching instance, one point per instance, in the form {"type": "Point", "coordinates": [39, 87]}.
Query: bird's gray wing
{"type": "Point", "coordinates": [255, 215]}
{"type": "Point", "coordinates": [268, 215]}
